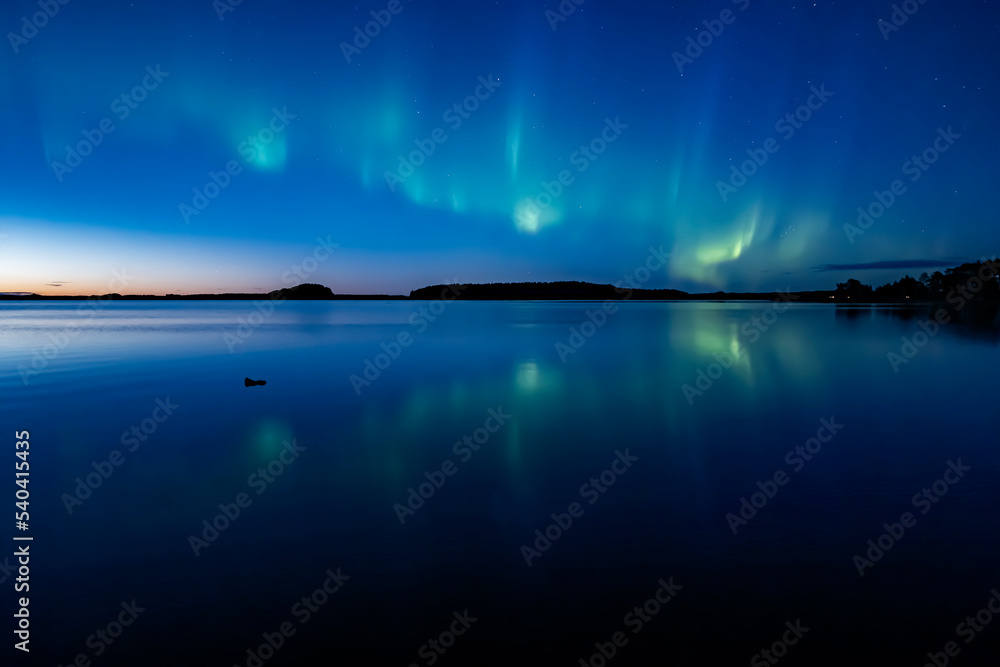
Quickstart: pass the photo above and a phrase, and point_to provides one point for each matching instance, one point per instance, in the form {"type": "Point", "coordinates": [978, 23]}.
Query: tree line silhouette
{"type": "Point", "coordinates": [972, 279]}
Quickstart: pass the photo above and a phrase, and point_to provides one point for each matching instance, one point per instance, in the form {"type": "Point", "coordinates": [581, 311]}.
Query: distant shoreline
{"type": "Point", "coordinates": [956, 285]}
{"type": "Point", "coordinates": [600, 293]}
{"type": "Point", "coordinates": [694, 298]}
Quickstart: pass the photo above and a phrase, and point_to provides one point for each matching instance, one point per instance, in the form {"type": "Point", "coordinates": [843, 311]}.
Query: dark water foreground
{"type": "Point", "coordinates": [674, 483]}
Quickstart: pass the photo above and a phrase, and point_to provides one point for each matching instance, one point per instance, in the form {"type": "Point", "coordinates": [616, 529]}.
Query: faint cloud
{"type": "Point", "coordinates": [889, 264]}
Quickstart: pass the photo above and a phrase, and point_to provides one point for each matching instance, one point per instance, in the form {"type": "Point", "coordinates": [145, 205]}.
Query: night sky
{"type": "Point", "coordinates": [595, 97]}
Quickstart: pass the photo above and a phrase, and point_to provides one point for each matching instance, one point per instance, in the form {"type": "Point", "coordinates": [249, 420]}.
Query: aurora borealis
{"type": "Point", "coordinates": [304, 127]}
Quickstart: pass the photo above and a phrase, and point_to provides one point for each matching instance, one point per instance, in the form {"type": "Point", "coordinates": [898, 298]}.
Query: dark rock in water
{"type": "Point", "coordinates": [247, 382]}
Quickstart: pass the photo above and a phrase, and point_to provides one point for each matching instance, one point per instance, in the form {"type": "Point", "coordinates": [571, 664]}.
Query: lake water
{"type": "Point", "coordinates": [480, 414]}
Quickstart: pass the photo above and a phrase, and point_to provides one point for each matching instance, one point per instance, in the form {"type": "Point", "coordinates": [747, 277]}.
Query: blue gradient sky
{"type": "Point", "coordinates": [462, 215]}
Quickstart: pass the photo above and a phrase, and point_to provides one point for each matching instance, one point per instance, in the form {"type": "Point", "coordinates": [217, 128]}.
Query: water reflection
{"type": "Point", "coordinates": [777, 374]}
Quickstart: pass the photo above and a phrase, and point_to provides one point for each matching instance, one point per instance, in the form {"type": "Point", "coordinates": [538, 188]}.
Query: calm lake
{"type": "Point", "coordinates": [704, 480]}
